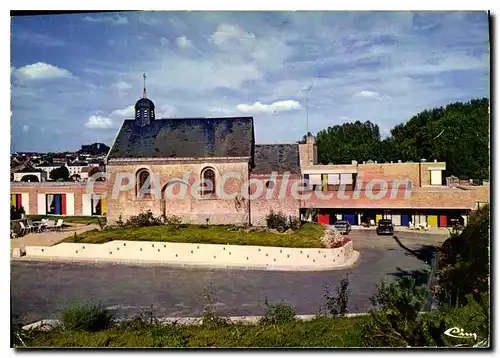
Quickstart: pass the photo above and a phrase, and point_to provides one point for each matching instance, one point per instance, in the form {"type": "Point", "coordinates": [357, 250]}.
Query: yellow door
{"type": "Point", "coordinates": [324, 182]}
{"type": "Point", "coordinates": [13, 199]}
{"type": "Point", "coordinates": [377, 218]}
{"type": "Point", "coordinates": [432, 220]}
{"type": "Point", "coordinates": [103, 206]}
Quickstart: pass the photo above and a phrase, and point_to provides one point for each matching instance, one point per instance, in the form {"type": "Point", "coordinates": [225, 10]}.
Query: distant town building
{"type": "Point", "coordinates": [94, 149]}
{"type": "Point", "coordinates": [30, 175]}
{"type": "Point", "coordinates": [76, 167]}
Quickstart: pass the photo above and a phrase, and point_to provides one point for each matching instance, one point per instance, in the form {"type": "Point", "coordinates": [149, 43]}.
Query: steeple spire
{"type": "Point", "coordinates": [144, 94]}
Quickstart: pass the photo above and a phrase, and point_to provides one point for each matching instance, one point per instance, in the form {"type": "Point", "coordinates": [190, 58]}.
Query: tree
{"type": "Point", "coordinates": [464, 262]}
{"type": "Point", "coordinates": [457, 134]}
{"type": "Point", "coordinates": [30, 178]}
{"type": "Point", "coordinates": [340, 144]}
{"type": "Point", "coordinates": [61, 173]}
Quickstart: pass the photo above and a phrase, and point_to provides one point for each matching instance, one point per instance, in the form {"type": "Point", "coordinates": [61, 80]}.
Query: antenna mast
{"type": "Point", "coordinates": [307, 90]}
{"type": "Point", "coordinates": [144, 94]}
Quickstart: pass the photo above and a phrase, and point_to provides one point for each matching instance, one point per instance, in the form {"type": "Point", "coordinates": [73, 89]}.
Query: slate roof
{"type": "Point", "coordinates": [276, 157]}
{"type": "Point", "coordinates": [78, 164]}
{"type": "Point", "coordinates": [185, 138]}
{"type": "Point", "coordinates": [29, 170]}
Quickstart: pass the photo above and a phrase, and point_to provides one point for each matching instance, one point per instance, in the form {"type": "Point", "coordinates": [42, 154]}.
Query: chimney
{"type": "Point", "coordinates": [391, 161]}
{"type": "Point", "coordinates": [308, 152]}
{"type": "Point", "coordinates": [399, 160]}
{"type": "Point", "coordinates": [375, 162]}
{"type": "Point", "coordinates": [354, 162]}
{"type": "Point", "coordinates": [435, 160]}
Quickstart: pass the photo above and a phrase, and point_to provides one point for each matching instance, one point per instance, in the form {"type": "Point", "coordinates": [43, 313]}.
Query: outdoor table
{"type": "Point", "coordinates": [40, 225]}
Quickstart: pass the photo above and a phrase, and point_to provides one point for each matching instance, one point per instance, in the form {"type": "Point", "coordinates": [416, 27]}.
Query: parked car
{"type": "Point", "coordinates": [343, 226]}
{"type": "Point", "coordinates": [385, 227]}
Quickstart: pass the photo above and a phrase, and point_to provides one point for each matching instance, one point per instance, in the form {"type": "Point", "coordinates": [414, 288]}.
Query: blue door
{"type": "Point", "coordinates": [58, 202]}
{"type": "Point", "coordinates": [350, 218]}
{"type": "Point", "coordinates": [405, 220]}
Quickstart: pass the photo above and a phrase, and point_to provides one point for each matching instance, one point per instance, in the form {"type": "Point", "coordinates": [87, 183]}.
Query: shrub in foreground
{"type": "Point", "coordinates": [336, 303]}
{"type": "Point", "coordinates": [90, 317]}
{"type": "Point", "coordinates": [278, 313]}
{"type": "Point", "coordinates": [396, 320]}
{"type": "Point", "coordinates": [143, 219]}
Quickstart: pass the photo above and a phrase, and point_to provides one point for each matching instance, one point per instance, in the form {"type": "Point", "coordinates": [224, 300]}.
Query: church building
{"type": "Point", "coordinates": [171, 155]}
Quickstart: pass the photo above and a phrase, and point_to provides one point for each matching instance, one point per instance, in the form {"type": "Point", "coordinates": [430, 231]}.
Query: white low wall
{"type": "Point", "coordinates": [259, 257]}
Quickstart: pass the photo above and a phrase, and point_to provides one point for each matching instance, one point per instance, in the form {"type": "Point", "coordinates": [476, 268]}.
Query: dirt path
{"type": "Point", "coordinates": [50, 237]}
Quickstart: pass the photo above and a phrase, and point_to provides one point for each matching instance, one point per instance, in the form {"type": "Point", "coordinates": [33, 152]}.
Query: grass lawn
{"type": "Point", "coordinates": [319, 332]}
{"type": "Point", "coordinates": [67, 219]}
{"type": "Point", "coordinates": [309, 235]}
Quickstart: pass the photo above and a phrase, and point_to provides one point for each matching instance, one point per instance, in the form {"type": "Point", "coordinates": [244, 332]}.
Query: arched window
{"type": "Point", "coordinates": [208, 182]}
{"type": "Point", "coordinates": [141, 179]}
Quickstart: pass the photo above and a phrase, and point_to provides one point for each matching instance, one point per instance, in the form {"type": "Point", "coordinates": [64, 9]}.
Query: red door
{"type": "Point", "coordinates": [324, 219]}
{"type": "Point", "coordinates": [443, 221]}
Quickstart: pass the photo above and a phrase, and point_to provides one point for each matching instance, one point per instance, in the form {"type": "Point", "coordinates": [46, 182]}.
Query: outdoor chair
{"type": "Point", "coordinates": [23, 228]}
{"type": "Point", "coordinates": [30, 226]}
{"type": "Point", "coordinates": [58, 225]}
{"type": "Point", "coordinates": [51, 224]}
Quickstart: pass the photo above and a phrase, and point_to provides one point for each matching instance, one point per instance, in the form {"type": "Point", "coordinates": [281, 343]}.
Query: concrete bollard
{"type": "Point", "coordinates": [18, 252]}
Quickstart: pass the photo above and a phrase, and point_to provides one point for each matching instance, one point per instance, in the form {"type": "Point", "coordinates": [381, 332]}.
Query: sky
{"type": "Point", "coordinates": [76, 77]}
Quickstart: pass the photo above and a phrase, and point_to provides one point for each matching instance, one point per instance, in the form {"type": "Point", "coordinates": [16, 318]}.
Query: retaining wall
{"type": "Point", "coordinates": [257, 257]}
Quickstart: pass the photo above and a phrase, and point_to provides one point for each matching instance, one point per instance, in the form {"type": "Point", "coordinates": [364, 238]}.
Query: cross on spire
{"type": "Point", "coordinates": [144, 94]}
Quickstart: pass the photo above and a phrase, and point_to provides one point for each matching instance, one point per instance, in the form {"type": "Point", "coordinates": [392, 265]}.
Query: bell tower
{"type": "Point", "coordinates": [144, 108]}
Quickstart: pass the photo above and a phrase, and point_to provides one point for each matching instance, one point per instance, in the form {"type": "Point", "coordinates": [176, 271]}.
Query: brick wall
{"type": "Point", "coordinates": [191, 209]}
{"type": "Point", "coordinates": [271, 199]}
{"type": "Point", "coordinates": [418, 173]}
{"type": "Point", "coordinates": [444, 198]}
{"type": "Point", "coordinates": [33, 189]}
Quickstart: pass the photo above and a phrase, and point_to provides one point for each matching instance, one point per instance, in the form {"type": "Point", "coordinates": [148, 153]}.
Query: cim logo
{"type": "Point", "coordinates": [456, 332]}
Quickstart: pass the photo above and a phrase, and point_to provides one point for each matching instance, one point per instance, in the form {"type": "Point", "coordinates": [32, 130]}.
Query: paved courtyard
{"type": "Point", "coordinates": [38, 289]}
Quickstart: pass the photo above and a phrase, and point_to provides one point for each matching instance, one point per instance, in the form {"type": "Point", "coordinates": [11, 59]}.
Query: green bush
{"type": "Point", "coordinates": [474, 317]}
{"type": "Point", "coordinates": [16, 214]}
{"type": "Point", "coordinates": [90, 317]}
{"type": "Point", "coordinates": [278, 313]}
{"type": "Point", "coordinates": [294, 222]}
{"type": "Point", "coordinates": [145, 319]}
{"type": "Point", "coordinates": [336, 304]}
{"type": "Point", "coordinates": [143, 219]}
{"type": "Point", "coordinates": [464, 266]}
{"type": "Point", "coordinates": [279, 221]}
{"type": "Point", "coordinates": [395, 320]}
{"type": "Point", "coordinates": [173, 222]}
{"type": "Point", "coordinates": [276, 221]}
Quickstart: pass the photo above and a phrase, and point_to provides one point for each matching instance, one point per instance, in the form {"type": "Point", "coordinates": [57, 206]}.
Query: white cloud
{"type": "Point", "coordinates": [164, 41]}
{"type": "Point", "coordinates": [115, 20]}
{"type": "Point", "coordinates": [184, 42]}
{"type": "Point", "coordinates": [219, 110]}
{"type": "Point", "coordinates": [368, 94]}
{"type": "Point", "coordinates": [226, 33]}
{"type": "Point", "coordinates": [99, 122]}
{"type": "Point", "coordinates": [26, 128]}
{"type": "Point", "coordinates": [121, 85]}
{"type": "Point", "coordinates": [40, 71]}
{"type": "Point", "coordinates": [280, 106]}
{"type": "Point", "coordinates": [123, 113]}
{"type": "Point", "coordinates": [165, 111]}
